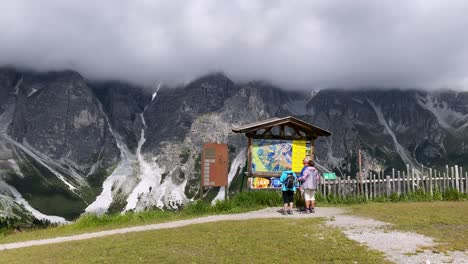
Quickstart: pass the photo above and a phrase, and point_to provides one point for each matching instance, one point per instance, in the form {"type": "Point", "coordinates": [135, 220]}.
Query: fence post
{"type": "Point", "coordinates": [457, 185]}
{"type": "Point", "coordinates": [412, 179]}
{"type": "Point", "coordinates": [466, 182]}
{"type": "Point", "coordinates": [338, 180]}
{"type": "Point", "coordinates": [408, 175]}
{"type": "Point", "coordinates": [445, 181]}
{"type": "Point", "coordinates": [451, 177]}
{"type": "Point", "coordinates": [405, 183]}
{"type": "Point", "coordinates": [365, 188]}
{"type": "Point", "coordinates": [430, 181]}
{"type": "Point", "coordinates": [462, 190]}
{"type": "Point", "coordinates": [388, 185]}
{"type": "Point", "coordinates": [324, 187]}
{"type": "Point", "coordinates": [354, 184]}
{"type": "Point", "coordinates": [393, 181]}
{"type": "Point", "coordinates": [422, 182]}
{"type": "Point", "coordinates": [399, 183]}
{"type": "Point", "coordinates": [348, 184]}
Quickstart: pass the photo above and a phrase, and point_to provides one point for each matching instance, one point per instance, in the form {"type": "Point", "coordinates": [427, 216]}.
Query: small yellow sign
{"type": "Point", "coordinates": [299, 152]}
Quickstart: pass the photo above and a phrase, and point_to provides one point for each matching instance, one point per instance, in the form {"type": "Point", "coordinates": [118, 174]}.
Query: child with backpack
{"type": "Point", "coordinates": [288, 181]}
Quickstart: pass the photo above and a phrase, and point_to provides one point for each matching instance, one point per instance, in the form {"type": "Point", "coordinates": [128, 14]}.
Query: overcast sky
{"type": "Point", "coordinates": [306, 44]}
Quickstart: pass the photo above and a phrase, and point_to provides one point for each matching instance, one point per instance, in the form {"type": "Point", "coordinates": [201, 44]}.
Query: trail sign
{"type": "Point", "coordinates": [214, 165]}
{"type": "Point", "coordinates": [329, 176]}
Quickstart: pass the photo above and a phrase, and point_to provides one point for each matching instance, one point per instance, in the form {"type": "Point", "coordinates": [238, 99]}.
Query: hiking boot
{"type": "Point", "coordinates": [312, 210]}
{"type": "Point", "coordinates": [283, 212]}
{"type": "Point", "coordinates": [290, 212]}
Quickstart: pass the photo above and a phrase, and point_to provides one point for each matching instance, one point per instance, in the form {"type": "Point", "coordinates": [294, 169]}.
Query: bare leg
{"type": "Point", "coordinates": [313, 203]}
{"type": "Point", "coordinates": [307, 203]}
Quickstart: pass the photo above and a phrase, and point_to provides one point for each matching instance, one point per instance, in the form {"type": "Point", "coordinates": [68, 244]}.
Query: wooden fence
{"type": "Point", "coordinates": [372, 185]}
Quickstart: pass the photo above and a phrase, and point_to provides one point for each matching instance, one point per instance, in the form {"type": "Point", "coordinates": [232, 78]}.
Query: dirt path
{"type": "Point", "coordinates": [399, 247]}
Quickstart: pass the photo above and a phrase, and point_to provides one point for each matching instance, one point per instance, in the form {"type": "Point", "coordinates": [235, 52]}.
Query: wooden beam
{"type": "Point", "coordinates": [278, 137]}
{"type": "Point", "coordinates": [249, 156]}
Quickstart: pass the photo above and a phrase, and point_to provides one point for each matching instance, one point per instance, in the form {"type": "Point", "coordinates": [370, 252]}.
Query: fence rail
{"type": "Point", "coordinates": [372, 185]}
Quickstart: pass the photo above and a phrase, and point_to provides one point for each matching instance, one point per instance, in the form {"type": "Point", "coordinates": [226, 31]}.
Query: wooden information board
{"type": "Point", "coordinates": [214, 165]}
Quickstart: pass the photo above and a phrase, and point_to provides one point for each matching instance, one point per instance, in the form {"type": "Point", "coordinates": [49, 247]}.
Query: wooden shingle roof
{"type": "Point", "coordinates": [289, 120]}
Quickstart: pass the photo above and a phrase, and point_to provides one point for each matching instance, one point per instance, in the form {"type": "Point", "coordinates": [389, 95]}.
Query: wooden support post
{"type": "Point", "coordinates": [457, 185]}
{"type": "Point", "coordinates": [372, 185]}
{"type": "Point", "coordinates": [393, 181]}
{"type": "Point", "coordinates": [412, 179]}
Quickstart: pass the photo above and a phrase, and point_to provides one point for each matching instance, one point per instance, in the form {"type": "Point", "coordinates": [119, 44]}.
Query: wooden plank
{"type": "Point", "coordinates": [457, 185]}
{"type": "Point", "coordinates": [393, 181]}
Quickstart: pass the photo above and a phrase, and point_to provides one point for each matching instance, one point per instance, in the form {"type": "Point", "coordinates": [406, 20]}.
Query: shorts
{"type": "Point", "coordinates": [288, 196]}
{"type": "Point", "coordinates": [309, 194]}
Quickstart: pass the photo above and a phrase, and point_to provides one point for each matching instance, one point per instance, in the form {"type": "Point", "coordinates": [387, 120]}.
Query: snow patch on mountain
{"type": "Point", "coordinates": [120, 179]}
{"type": "Point", "coordinates": [149, 173]}
{"type": "Point", "coordinates": [451, 120]}
{"type": "Point", "coordinates": [399, 148]}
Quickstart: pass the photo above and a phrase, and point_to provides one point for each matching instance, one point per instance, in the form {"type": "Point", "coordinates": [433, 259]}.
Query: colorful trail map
{"type": "Point", "coordinates": [273, 155]}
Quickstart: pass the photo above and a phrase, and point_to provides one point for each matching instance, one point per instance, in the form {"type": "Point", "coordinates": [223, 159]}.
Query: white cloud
{"type": "Point", "coordinates": [294, 43]}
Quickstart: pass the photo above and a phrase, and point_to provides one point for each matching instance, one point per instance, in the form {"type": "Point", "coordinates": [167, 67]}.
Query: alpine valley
{"type": "Point", "coordinates": [73, 145]}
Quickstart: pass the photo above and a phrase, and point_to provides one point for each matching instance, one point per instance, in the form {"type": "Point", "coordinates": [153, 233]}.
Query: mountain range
{"type": "Point", "coordinates": [72, 145]}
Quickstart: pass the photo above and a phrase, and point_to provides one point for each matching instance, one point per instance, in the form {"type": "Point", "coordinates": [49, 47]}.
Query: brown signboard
{"type": "Point", "coordinates": [214, 165]}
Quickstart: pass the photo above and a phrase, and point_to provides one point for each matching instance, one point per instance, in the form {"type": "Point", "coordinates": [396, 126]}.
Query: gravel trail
{"type": "Point", "coordinates": [399, 247]}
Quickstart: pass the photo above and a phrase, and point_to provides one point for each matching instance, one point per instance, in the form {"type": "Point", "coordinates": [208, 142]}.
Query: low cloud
{"type": "Point", "coordinates": [298, 44]}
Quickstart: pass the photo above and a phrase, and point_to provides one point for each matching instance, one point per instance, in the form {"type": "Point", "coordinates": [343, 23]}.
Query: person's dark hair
{"type": "Point", "coordinates": [310, 163]}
